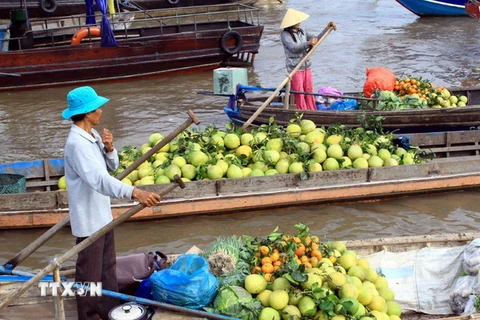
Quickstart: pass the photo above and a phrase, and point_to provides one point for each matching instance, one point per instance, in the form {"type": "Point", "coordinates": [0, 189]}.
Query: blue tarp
{"type": "Point", "coordinates": [108, 38]}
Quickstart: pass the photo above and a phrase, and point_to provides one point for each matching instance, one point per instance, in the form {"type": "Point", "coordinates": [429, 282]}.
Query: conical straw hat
{"type": "Point", "coordinates": [292, 17]}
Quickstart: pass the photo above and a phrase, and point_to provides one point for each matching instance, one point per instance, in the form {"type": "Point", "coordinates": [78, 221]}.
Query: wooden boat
{"type": "Point", "coordinates": [456, 167]}
{"type": "Point", "coordinates": [425, 8]}
{"type": "Point", "coordinates": [44, 306]}
{"type": "Point", "coordinates": [240, 108]}
{"type": "Point", "coordinates": [473, 8]}
{"type": "Point", "coordinates": [50, 8]}
{"type": "Point", "coordinates": [158, 42]}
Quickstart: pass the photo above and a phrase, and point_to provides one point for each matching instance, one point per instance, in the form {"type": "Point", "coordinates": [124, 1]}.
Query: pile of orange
{"type": "Point", "coordinates": [409, 86]}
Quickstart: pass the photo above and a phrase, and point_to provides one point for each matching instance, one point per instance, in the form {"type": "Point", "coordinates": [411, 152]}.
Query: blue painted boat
{"type": "Point", "coordinates": [425, 8]}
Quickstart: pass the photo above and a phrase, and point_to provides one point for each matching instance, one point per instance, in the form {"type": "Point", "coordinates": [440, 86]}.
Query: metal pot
{"type": "Point", "coordinates": [130, 311]}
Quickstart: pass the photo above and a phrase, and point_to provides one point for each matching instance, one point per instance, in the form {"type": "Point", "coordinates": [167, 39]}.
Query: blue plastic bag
{"type": "Point", "coordinates": [349, 104]}
{"type": "Point", "coordinates": [145, 290]}
{"type": "Point", "coordinates": [187, 283]}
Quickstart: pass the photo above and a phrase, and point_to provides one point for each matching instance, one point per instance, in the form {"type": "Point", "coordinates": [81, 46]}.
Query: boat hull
{"type": "Point", "coordinates": [425, 8]}
{"type": "Point", "coordinates": [457, 167]}
{"type": "Point", "coordinates": [401, 121]}
{"type": "Point", "coordinates": [141, 53]}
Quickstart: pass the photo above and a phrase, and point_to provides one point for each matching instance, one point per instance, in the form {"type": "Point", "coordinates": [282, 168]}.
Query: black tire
{"type": "Point", "coordinates": [236, 36]}
{"type": "Point", "coordinates": [173, 1]}
{"type": "Point", "coordinates": [48, 6]}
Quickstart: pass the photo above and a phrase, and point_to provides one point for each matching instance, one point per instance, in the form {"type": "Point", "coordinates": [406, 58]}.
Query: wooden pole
{"type": "Point", "coordinates": [286, 100]}
{"type": "Point", "coordinates": [325, 33]}
{"type": "Point", "coordinates": [59, 306]}
{"type": "Point", "coordinates": [82, 245]}
{"type": "Point", "coordinates": [27, 251]}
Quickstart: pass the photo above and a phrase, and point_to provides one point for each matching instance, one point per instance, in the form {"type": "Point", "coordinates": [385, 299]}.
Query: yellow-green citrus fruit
{"type": "Point", "coordinates": [291, 313]}
{"type": "Point", "coordinates": [269, 314]}
{"type": "Point", "coordinates": [62, 183]}
{"type": "Point", "coordinates": [278, 299]}
{"type": "Point", "coordinates": [255, 283]}
{"type": "Point", "coordinates": [307, 306]}
{"type": "Point", "coordinates": [264, 296]}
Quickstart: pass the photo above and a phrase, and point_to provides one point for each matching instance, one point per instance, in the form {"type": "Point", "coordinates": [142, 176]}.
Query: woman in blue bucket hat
{"type": "Point", "coordinates": [89, 157]}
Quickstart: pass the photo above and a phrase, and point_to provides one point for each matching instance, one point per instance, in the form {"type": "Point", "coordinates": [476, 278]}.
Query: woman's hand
{"type": "Point", "coordinates": [313, 41]}
{"type": "Point", "coordinates": [145, 197]}
{"type": "Point", "coordinates": [332, 25]}
{"type": "Point", "coordinates": [107, 140]}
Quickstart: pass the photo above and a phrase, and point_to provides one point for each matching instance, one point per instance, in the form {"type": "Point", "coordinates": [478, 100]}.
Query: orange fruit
{"type": "Point", "coordinates": [300, 251]}
{"type": "Point", "coordinates": [274, 256]}
{"type": "Point", "coordinates": [297, 240]}
{"type": "Point", "coordinates": [269, 277]}
{"type": "Point", "coordinates": [277, 263]}
{"type": "Point", "coordinates": [266, 260]}
{"type": "Point", "coordinates": [317, 254]}
{"type": "Point", "coordinates": [264, 250]}
{"type": "Point", "coordinates": [267, 268]}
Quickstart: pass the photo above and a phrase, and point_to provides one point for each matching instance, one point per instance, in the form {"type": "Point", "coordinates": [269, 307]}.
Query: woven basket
{"type": "Point", "coordinates": [12, 183]}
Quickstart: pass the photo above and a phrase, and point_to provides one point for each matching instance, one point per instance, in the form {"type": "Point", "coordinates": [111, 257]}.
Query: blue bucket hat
{"type": "Point", "coordinates": [82, 100]}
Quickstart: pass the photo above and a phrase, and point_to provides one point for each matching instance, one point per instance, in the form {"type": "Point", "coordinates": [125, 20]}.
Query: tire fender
{"type": "Point", "coordinates": [231, 35]}
{"type": "Point", "coordinates": [48, 6]}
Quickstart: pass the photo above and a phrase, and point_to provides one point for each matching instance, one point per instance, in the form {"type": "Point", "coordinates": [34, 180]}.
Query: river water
{"type": "Point", "coordinates": [371, 33]}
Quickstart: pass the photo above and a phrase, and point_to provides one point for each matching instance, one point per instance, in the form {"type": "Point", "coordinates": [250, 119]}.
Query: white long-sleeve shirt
{"type": "Point", "coordinates": [89, 184]}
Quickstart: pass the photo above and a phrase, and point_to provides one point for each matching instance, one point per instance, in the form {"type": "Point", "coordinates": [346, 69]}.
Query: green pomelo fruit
{"type": "Point", "coordinates": [264, 296]}
{"type": "Point", "coordinates": [260, 136]}
{"type": "Point", "coordinates": [161, 156]}
{"type": "Point", "coordinates": [314, 167]}
{"type": "Point", "coordinates": [315, 137]}
{"type": "Point", "coordinates": [246, 139]}
{"type": "Point", "coordinates": [172, 170]}
{"type": "Point", "coordinates": [244, 150]}
{"type": "Point", "coordinates": [282, 166]}
{"type": "Point", "coordinates": [214, 172]}
{"type": "Point", "coordinates": [347, 261]}
{"type": "Point", "coordinates": [189, 171]}
{"type": "Point", "coordinates": [334, 139]}
{"type": "Point", "coordinates": [294, 130]}
{"type": "Point", "coordinates": [197, 158]}
{"type": "Point", "coordinates": [390, 162]}
{"type": "Point", "coordinates": [375, 162]}
{"type": "Point", "coordinates": [337, 245]}
{"type": "Point", "coordinates": [217, 140]}
{"type": "Point", "coordinates": [274, 144]}
{"type": "Point", "coordinates": [145, 171]}
{"type": "Point", "coordinates": [357, 271]}
{"type": "Point", "coordinates": [246, 172]}
{"type": "Point", "coordinates": [296, 167]}
{"type": "Point", "coordinates": [321, 315]}
{"type": "Point", "coordinates": [381, 282]}
{"type": "Point", "coordinates": [257, 173]}
{"type": "Point", "coordinates": [386, 293]}
{"type": "Point", "coordinates": [147, 180]}
{"type": "Point", "coordinates": [271, 156]}
{"type": "Point", "coordinates": [361, 310]}
{"type": "Point", "coordinates": [319, 155]}
{"type": "Point", "coordinates": [232, 141]}
{"type": "Point", "coordinates": [378, 303]}
{"type": "Point", "coordinates": [179, 161]}
{"type": "Point", "coordinates": [307, 306]}
{"type": "Point", "coordinates": [400, 151]}
{"type": "Point", "coordinates": [269, 314]}
{"type": "Point", "coordinates": [347, 163]}
{"type": "Point", "coordinates": [154, 139]}
{"type": "Point", "coordinates": [365, 295]}
{"type": "Point", "coordinates": [62, 183]}
{"type": "Point", "coordinates": [350, 304]}
{"type": "Point", "coordinates": [371, 149]}
{"type": "Point", "coordinates": [355, 281]}
{"type": "Point", "coordinates": [336, 279]}
{"type": "Point", "coordinates": [223, 164]}
{"type": "Point", "coordinates": [360, 163]}
{"type": "Point", "coordinates": [348, 290]}
{"type": "Point", "coordinates": [316, 146]}
{"type": "Point", "coordinates": [312, 278]}
{"type": "Point", "coordinates": [291, 313]}
{"type": "Point", "coordinates": [307, 126]}
{"type": "Point", "coordinates": [255, 283]}
{"type": "Point", "coordinates": [335, 151]}
{"type": "Point", "coordinates": [124, 180]}
{"type": "Point", "coordinates": [354, 152]}
{"type": "Point", "coordinates": [234, 171]}
{"type": "Point", "coordinates": [384, 154]}
{"type": "Point", "coordinates": [162, 179]}
{"type": "Point", "coordinates": [371, 275]}
{"type": "Point", "coordinates": [303, 148]}
{"type": "Point", "coordinates": [271, 172]}
{"type": "Point", "coordinates": [278, 299]}
{"type": "Point", "coordinates": [260, 165]}
{"type": "Point", "coordinates": [362, 262]}
{"type": "Point", "coordinates": [281, 283]}
{"type": "Point", "coordinates": [133, 176]}
{"type": "Point", "coordinates": [330, 164]}
{"type": "Point", "coordinates": [294, 296]}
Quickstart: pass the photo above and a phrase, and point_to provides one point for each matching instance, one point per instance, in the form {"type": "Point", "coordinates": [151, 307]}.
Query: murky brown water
{"type": "Point", "coordinates": [370, 34]}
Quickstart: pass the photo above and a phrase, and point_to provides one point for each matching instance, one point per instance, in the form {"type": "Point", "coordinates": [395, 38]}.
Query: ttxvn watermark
{"type": "Point", "coordinates": [70, 289]}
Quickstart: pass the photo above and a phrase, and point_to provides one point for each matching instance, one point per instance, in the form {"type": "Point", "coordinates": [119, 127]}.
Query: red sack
{"type": "Point", "coordinates": [378, 78]}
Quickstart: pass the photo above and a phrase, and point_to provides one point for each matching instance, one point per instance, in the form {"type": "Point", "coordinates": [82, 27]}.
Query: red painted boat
{"type": "Point", "coordinates": [157, 42]}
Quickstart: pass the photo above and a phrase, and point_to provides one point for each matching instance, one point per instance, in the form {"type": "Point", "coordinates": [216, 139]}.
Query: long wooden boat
{"type": "Point", "coordinates": [456, 167]}
{"type": "Point", "coordinates": [44, 306]}
{"type": "Point", "coordinates": [158, 42]}
{"type": "Point", "coordinates": [241, 107]}
{"type": "Point", "coordinates": [426, 8]}
{"type": "Point", "coordinates": [50, 8]}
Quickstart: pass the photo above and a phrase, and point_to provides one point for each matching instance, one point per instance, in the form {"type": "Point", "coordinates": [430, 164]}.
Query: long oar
{"type": "Point", "coordinates": [321, 37]}
{"type": "Point", "coordinates": [27, 251]}
{"type": "Point", "coordinates": [82, 245]}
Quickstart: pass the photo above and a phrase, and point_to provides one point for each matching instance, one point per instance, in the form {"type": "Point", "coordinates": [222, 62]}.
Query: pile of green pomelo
{"type": "Point", "coordinates": [270, 149]}
{"type": "Point", "coordinates": [348, 289]}
{"type": "Point", "coordinates": [299, 147]}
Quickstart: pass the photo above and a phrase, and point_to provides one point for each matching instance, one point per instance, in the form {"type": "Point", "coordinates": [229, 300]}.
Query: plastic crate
{"type": "Point", "coordinates": [12, 183]}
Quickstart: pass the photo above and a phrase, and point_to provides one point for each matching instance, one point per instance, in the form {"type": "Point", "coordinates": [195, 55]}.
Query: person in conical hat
{"type": "Point", "coordinates": [296, 43]}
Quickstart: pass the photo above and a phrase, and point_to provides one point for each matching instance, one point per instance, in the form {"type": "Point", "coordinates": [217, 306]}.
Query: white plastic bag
{"type": "Point", "coordinates": [471, 258]}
